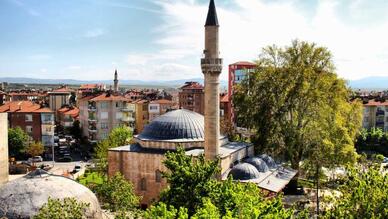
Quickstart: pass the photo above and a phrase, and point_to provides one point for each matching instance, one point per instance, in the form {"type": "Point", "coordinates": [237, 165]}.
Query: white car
{"type": "Point", "coordinates": [35, 159]}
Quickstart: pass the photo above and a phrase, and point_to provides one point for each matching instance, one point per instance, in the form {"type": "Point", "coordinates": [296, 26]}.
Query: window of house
{"type": "Point", "coordinates": [28, 118]}
{"type": "Point", "coordinates": [48, 129]}
{"type": "Point", "coordinates": [119, 115]}
{"type": "Point", "coordinates": [143, 184]}
{"type": "Point", "coordinates": [104, 126]}
{"type": "Point", "coordinates": [104, 105]}
{"type": "Point", "coordinates": [28, 129]}
{"type": "Point", "coordinates": [153, 107]}
{"type": "Point", "coordinates": [104, 135]}
{"type": "Point", "coordinates": [104, 115]}
{"type": "Point", "coordinates": [158, 176]}
{"type": "Point", "coordinates": [117, 104]}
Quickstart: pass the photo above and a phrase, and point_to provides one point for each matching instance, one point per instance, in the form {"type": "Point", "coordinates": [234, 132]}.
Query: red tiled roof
{"type": "Point", "coordinates": [162, 101]}
{"type": "Point", "coordinates": [140, 101]}
{"type": "Point", "coordinates": [244, 63]}
{"type": "Point", "coordinates": [192, 85]}
{"type": "Point", "coordinates": [90, 86]}
{"type": "Point", "coordinates": [110, 97]}
{"type": "Point", "coordinates": [73, 112]}
{"type": "Point", "coordinates": [225, 98]}
{"type": "Point", "coordinates": [61, 90]}
{"type": "Point", "coordinates": [26, 94]}
{"type": "Point", "coordinates": [376, 103]}
{"type": "Point", "coordinates": [24, 107]}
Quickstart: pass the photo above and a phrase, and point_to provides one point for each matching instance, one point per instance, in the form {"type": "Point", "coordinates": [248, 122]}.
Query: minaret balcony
{"type": "Point", "coordinates": [211, 65]}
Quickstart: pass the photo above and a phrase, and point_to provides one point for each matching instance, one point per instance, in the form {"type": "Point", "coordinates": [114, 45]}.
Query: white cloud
{"type": "Point", "coordinates": [250, 25]}
{"type": "Point", "coordinates": [94, 33]}
{"type": "Point", "coordinates": [74, 67]}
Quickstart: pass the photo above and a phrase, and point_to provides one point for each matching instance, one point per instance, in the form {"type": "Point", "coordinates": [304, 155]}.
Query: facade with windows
{"type": "Point", "coordinates": [100, 114]}
{"type": "Point", "coordinates": [37, 121]}
{"type": "Point", "coordinates": [159, 107]}
{"type": "Point", "coordinates": [237, 73]}
{"type": "Point", "coordinates": [375, 115]}
{"type": "Point", "coordinates": [192, 97]}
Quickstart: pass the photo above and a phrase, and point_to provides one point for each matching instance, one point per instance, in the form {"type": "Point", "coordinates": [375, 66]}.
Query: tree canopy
{"type": "Point", "coordinates": [35, 148]}
{"type": "Point", "coordinates": [68, 208]}
{"type": "Point", "coordinates": [299, 107]}
{"type": "Point", "coordinates": [17, 141]}
{"type": "Point", "coordinates": [195, 191]}
{"type": "Point", "coordinates": [119, 136]}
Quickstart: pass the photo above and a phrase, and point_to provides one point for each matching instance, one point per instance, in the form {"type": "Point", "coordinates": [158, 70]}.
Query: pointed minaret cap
{"type": "Point", "coordinates": [212, 19]}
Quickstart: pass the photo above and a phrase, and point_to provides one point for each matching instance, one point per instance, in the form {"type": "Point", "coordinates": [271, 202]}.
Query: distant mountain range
{"type": "Point", "coordinates": [172, 83]}
{"type": "Point", "coordinates": [380, 82]}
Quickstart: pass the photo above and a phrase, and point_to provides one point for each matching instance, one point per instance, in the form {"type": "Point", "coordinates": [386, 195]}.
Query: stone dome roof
{"type": "Point", "coordinates": [177, 124]}
{"type": "Point", "coordinates": [244, 171]}
{"type": "Point", "coordinates": [23, 197]}
{"type": "Point", "coordinates": [259, 163]}
{"type": "Point", "coordinates": [268, 160]}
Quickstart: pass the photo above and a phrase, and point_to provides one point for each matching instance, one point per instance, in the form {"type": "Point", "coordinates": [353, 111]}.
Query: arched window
{"type": "Point", "coordinates": [158, 176]}
{"type": "Point", "coordinates": [143, 184]}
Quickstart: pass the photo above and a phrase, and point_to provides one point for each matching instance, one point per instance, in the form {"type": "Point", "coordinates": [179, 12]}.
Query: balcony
{"type": "Point", "coordinates": [92, 108]}
{"type": "Point", "coordinates": [92, 129]}
{"type": "Point", "coordinates": [127, 109]}
{"type": "Point", "coordinates": [92, 119]}
{"type": "Point", "coordinates": [127, 119]}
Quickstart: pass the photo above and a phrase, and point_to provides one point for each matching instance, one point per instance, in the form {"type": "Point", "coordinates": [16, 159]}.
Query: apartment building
{"type": "Point", "coordinates": [237, 73]}
{"type": "Point", "coordinates": [159, 107]}
{"type": "Point", "coordinates": [34, 119]}
{"type": "Point", "coordinates": [375, 114]}
{"type": "Point", "coordinates": [66, 116]}
{"type": "Point", "coordinates": [101, 113]}
{"type": "Point", "coordinates": [192, 97]}
{"type": "Point", "coordinates": [59, 98]}
{"type": "Point", "coordinates": [142, 115]}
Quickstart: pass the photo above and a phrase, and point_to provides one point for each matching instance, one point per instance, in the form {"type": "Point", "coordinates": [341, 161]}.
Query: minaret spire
{"type": "Point", "coordinates": [116, 82]}
{"type": "Point", "coordinates": [212, 19]}
{"type": "Point", "coordinates": [211, 67]}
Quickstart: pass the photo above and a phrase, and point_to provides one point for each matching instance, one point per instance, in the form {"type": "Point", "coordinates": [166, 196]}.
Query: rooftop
{"type": "Point", "coordinates": [24, 107]}
{"type": "Point", "coordinates": [110, 97]}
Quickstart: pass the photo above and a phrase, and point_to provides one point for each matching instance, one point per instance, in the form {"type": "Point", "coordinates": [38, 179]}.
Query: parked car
{"type": "Point", "coordinates": [35, 159]}
{"type": "Point", "coordinates": [65, 159]}
{"type": "Point", "coordinates": [77, 168]}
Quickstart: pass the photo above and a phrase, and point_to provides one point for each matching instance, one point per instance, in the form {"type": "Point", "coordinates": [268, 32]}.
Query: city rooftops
{"type": "Point", "coordinates": [62, 90]}
{"type": "Point", "coordinates": [162, 101]}
{"type": "Point", "coordinates": [376, 103]}
{"type": "Point", "coordinates": [110, 97]}
{"type": "Point", "coordinates": [192, 85]}
{"type": "Point", "coordinates": [24, 107]}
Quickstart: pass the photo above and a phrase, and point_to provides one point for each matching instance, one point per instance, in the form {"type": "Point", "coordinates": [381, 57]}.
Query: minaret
{"type": "Point", "coordinates": [116, 83]}
{"type": "Point", "coordinates": [211, 67]}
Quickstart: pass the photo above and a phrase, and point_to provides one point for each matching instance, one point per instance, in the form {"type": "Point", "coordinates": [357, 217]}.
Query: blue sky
{"type": "Point", "coordinates": [163, 39]}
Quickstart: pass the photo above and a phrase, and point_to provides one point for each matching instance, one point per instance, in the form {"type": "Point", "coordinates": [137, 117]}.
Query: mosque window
{"type": "Point", "coordinates": [143, 184]}
{"type": "Point", "coordinates": [158, 176]}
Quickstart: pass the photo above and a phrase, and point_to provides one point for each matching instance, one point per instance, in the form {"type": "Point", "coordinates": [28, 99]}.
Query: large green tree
{"type": "Point", "coordinates": [68, 208]}
{"type": "Point", "coordinates": [119, 136]}
{"type": "Point", "coordinates": [194, 190]}
{"type": "Point", "coordinates": [299, 107]}
{"type": "Point", "coordinates": [17, 141]}
{"type": "Point", "coordinates": [364, 195]}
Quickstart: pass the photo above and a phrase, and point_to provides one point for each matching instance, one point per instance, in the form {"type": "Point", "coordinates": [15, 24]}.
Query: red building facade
{"type": "Point", "coordinates": [237, 73]}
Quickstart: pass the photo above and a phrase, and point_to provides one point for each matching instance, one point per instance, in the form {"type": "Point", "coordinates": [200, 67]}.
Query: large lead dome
{"type": "Point", "coordinates": [174, 125]}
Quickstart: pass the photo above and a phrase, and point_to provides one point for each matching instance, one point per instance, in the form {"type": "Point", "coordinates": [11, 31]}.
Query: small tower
{"type": "Point", "coordinates": [116, 83]}
{"type": "Point", "coordinates": [211, 66]}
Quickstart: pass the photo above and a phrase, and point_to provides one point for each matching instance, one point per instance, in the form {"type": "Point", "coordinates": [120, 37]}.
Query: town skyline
{"type": "Point", "coordinates": [58, 40]}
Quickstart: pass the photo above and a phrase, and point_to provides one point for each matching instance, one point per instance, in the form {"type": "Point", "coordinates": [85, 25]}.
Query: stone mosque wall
{"type": "Point", "coordinates": [3, 148]}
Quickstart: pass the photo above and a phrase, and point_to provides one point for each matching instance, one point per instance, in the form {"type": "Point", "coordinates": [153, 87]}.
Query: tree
{"type": "Point", "coordinates": [119, 136]}
{"type": "Point", "coordinates": [68, 208]}
{"type": "Point", "coordinates": [75, 130]}
{"type": "Point", "coordinates": [299, 107]}
{"type": "Point", "coordinates": [17, 141]}
{"type": "Point", "coordinates": [117, 194]}
{"type": "Point", "coordinates": [187, 175]}
{"type": "Point", "coordinates": [364, 195]}
{"type": "Point", "coordinates": [35, 149]}
{"type": "Point", "coordinates": [193, 186]}
{"type": "Point", "coordinates": [161, 210]}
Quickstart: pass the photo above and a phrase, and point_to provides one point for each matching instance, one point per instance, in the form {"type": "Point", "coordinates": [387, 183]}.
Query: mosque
{"type": "Point", "coordinates": [141, 162]}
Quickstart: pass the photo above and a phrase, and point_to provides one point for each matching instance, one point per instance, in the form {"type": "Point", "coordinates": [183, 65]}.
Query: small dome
{"type": "Point", "coordinates": [268, 160]}
{"type": "Point", "coordinates": [244, 171]}
{"type": "Point", "coordinates": [23, 197]}
{"type": "Point", "coordinates": [177, 124]}
{"type": "Point", "coordinates": [259, 163]}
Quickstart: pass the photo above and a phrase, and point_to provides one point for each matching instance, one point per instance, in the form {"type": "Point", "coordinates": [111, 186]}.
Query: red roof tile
{"type": "Point", "coordinates": [162, 101]}
{"type": "Point", "coordinates": [244, 63]}
{"type": "Point", "coordinates": [24, 107]}
{"type": "Point", "coordinates": [192, 85]}
{"type": "Point", "coordinates": [376, 103]}
{"type": "Point", "coordinates": [110, 97]}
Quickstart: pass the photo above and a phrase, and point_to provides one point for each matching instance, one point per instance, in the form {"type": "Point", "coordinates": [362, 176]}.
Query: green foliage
{"type": "Point", "coordinates": [194, 189]}
{"type": "Point", "coordinates": [92, 180]}
{"type": "Point", "coordinates": [299, 107]}
{"type": "Point", "coordinates": [119, 136]}
{"type": "Point", "coordinates": [187, 175]}
{"type": "Point", "coordinates": [364, 195]}
{"type": "Point", "coordinates": [35, 149]}
{"type": "Point", "coordinates": [17, 141]}
{"type": "Point", "coordinates": [161, 210]}
{"type": "Point", "coordinates": [375, 140]}
{"type": "Point", "coordinates": [68, 208]}
{"type": "Point", "coordinates": [117, 194]}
